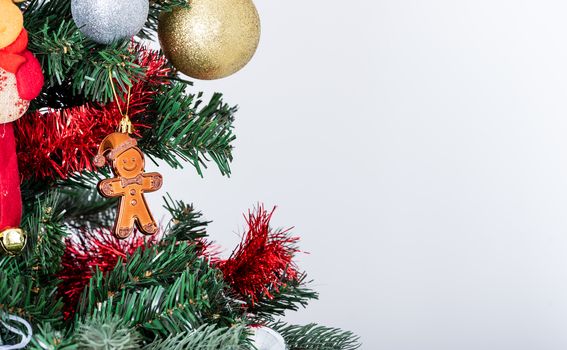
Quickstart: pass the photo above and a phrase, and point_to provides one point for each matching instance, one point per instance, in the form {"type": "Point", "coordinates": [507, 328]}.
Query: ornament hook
{"type": "Point", "coordinates": [125, 125]}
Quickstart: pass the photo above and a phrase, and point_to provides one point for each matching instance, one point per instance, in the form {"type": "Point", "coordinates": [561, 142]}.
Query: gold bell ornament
{"type": "Point", "coordinates": [12, 241]}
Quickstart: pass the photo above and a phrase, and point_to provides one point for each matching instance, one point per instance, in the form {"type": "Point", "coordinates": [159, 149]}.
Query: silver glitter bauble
{"type": "Point", "coordinates": [105, 21]}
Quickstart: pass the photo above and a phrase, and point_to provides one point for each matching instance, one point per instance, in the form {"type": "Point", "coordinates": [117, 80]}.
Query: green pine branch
{"type": "Point", "coordinates": [291, 296]}
{"type": "Point", "coordinates": [19, 296]}
{"type": "Point", "coordinates": [107, 335]}
{"type": "Point", "coordinates": [314, 337]}
{"type": "Point", "coordinates": [86, 208]}
{"type": "Point", "coordinates": [206, 337]}
{"type": "Point", "coordinates": [68, 56]}
{"type": "Point", "coordinates": [27, 286]}
{"type": "Point", "coordinates": [188, 131]}
{"type": "Point", "coordinates": [58, 50]}
{"type": "Point", "coordinates": [150, 266]}
{"type": "Point", "coordinates": [161, 310]}
{"type": "Point", "coordinates": [43, 221]}
{"type": "Point", "coordinates": [76, 201]}
{"type": "Point", "coordinates": [186, 223]}
{"type": "Point", "coordinates": [49, 337]}
{"type": "Point", "coordinates": [37, 11]}
{"type": "Point", "coordinates": [91, 77]}
{"type": "Point", "coordinates": [160, 289]}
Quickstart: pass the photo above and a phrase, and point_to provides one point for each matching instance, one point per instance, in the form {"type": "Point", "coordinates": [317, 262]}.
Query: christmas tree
{"type": "Point", "coordinates": [72, 275]}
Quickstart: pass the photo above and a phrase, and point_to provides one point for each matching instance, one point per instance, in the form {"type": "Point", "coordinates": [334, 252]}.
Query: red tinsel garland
{"type": "Point", "coordinates": [56, 143]}
{"type": "Point", "coordinates": [83, 256]}
{"type": "Point", "coordinates": [260, 265]}
{"type": "Point", "coordinates": [263, 259]}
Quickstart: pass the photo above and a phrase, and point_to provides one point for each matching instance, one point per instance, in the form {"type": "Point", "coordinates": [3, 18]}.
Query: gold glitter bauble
{"type": "Point", "coordinates": [13, 241]}
{"type": "Point", "coordinates": [211, 39]}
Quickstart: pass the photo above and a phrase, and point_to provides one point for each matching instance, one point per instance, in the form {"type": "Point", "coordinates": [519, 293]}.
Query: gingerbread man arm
{"type": "Point", "coordinates": [111, 188]}
{"type": "Point", "coordinates": [152, 182]}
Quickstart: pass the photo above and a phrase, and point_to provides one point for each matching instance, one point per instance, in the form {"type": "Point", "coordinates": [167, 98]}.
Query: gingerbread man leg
{"type": "Point", "coordinates": [124, 223]}
{"type": "Point", "coordinates": [146, 223]}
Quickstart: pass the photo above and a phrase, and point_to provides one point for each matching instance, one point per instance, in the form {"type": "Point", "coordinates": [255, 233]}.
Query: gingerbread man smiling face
{"type": "Point", "coordinates": [130, 184]}
{"type": "Point", "coordinates": [130, 163]}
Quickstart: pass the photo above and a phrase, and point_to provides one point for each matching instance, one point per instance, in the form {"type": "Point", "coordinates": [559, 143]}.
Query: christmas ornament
{"type": "Point", "coordinates": [12, 241]}
{"type": "Point", "coordinates": [211, 39]}
{"type": "Point", "coordinates": [264, 338]}
{"type": "Point", "coordinates": [105, 21]}
{"type": "Point", "coordinates": [131, 182]}
{"type": "Point", "coordinates": [129, 185]}
{"type": "Point", "coordinates": [21, 80]}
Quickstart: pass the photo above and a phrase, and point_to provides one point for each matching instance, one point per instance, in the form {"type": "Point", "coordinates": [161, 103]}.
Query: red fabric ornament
{"type": "Point", "coordinates": [82, 257]}
{"type": "Point", "coordinates": [57, 143]}
{"type": "Point", "coordinates": [264, 258]}
{"type": "Point", "coordinates": [10, 198]}
{"type": "Point", "coordinates": [29, 80]}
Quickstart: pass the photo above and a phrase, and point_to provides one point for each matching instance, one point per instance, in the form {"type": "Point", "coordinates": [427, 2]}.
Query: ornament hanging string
{"type": "Point", "coordinates": [26, 336]}
{"type": "Point", "coordinates": [125, 125]}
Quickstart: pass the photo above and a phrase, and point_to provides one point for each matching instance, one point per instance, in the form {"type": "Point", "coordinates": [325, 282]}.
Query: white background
{"type": "Point", "coordinates": [420, 150]}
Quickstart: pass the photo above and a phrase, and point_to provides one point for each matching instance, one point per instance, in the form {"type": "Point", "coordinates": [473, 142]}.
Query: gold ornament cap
{"type": "Point", "coordinates": [210, 39]}
{"type": "Point", "coordinates": [13, 241]}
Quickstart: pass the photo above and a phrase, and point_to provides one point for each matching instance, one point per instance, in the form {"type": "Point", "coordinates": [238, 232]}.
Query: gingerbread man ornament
{"type": "Point", "coordinates": [130, 184]}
